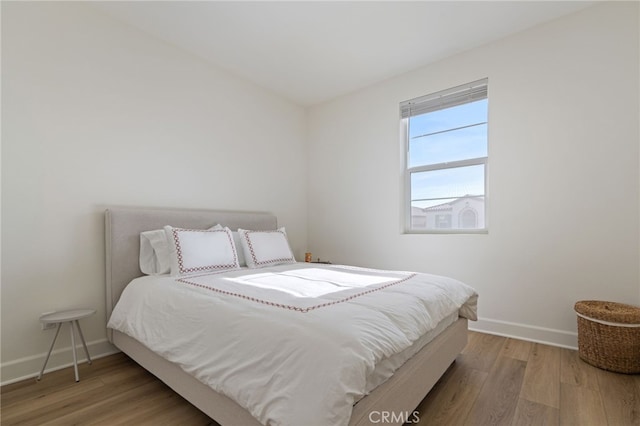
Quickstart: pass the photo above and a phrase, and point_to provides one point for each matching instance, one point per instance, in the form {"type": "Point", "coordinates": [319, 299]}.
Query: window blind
{"type": "Point", "coordinates": [459, 95]}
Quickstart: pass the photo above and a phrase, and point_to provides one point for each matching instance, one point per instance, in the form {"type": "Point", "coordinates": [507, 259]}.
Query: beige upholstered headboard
{"type": "Point", "coordinates": [123, 226]}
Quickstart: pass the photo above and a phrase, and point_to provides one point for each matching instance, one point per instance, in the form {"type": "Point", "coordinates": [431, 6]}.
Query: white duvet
{"type": "Point", "coordinates": [293, 344]}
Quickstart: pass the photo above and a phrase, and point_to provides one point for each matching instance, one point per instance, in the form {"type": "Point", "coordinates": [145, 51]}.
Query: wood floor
{"type": "Point", "coordinates": [501, 381]}
{"type": "Point", "coordinates": [495, 381]}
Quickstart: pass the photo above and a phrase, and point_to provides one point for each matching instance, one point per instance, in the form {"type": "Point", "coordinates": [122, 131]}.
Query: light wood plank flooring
{"type": "Point", "coordinates": [502, 381]}
{"type": "Point", "coordinates": [494, 381]}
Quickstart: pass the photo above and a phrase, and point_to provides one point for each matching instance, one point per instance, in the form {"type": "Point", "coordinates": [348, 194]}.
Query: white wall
{"type": "Point", "coordinates": [96, 113]}
{"type": "Point", "coordinates": [563, 198]}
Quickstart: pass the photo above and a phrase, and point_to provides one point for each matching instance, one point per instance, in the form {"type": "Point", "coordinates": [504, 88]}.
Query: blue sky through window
{"type": "Point", "coordinates": [446, 183]}
{"type": "Point", "coordinates": [451, 134]}
{"type": "Point", "coordinates": [431, 140]}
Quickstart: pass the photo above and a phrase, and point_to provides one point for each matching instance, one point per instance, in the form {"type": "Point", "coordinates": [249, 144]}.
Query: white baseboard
{"type": "Point", "coordinates": [548, 336]}
{"type": "Point", "coordinates": [29, 367]}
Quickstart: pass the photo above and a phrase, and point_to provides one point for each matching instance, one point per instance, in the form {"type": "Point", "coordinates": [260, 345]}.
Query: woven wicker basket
{"type": "Point", "coordinates": [609, 335]}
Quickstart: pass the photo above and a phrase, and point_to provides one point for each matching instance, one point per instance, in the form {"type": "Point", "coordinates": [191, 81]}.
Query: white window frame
{"type": "Point", "coordinates": [458, 95]}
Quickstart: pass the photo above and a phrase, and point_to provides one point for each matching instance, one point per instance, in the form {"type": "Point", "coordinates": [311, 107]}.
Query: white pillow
{"type": "Point", "coordinates": [201, 250]}
{"type": "Point", "coordinates": [239, 250]}
{"type": "Point", "coordinates": [154, 252]}
{"type": "Point", "coordinates": [265, 248]}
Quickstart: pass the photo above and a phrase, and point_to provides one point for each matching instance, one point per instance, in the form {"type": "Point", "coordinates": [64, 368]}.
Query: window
{"type": "Point", "coordinates": [446, 157]}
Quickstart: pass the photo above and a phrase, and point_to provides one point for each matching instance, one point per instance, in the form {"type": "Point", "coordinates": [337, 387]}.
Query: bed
{"type": "Point", "coordinates": [397, 395]}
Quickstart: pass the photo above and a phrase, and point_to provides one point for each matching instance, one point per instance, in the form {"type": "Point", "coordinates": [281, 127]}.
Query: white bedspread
{"type": "Point", "coordinates": [293, 344]}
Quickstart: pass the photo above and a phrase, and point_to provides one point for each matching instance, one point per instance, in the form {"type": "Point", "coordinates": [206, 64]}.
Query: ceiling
{"type": "Point", "coordinates": [313, 51]}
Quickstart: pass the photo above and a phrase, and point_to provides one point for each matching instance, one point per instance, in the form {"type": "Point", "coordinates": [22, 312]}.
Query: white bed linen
{"type": "Point", "coordinates": [293, 344]}
{"type": "Point", "coordinates": [386, 367]}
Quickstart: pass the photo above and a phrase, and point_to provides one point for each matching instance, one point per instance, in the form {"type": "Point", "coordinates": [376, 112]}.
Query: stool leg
{"type": "Point", "coordinates": [73, 348]}
{"type": "Point", "coordinates": [49, 353]}
{"type": "Point", "coordinates": [84, 344]}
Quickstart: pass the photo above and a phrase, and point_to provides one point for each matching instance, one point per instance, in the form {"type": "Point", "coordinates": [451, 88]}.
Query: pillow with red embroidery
{"type": "Point", "coordinates": [155, 251]}
{"type": "Point", "coordinates": [201, 250]}
{"type": "Point", "coordinates": [265, 248]}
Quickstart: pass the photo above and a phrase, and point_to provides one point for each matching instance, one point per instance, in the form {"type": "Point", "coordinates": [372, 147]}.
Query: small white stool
{"type": "Point", "coordinates": [72, 318]}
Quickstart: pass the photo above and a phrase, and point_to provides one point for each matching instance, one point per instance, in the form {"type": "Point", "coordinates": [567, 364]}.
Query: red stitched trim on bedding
{"type": "Point", "coordinates": [184, 270]}
{"type": "Point", "coordinates": [291, 307]}
{"type": "Point", "coordinates": [256, 262]}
